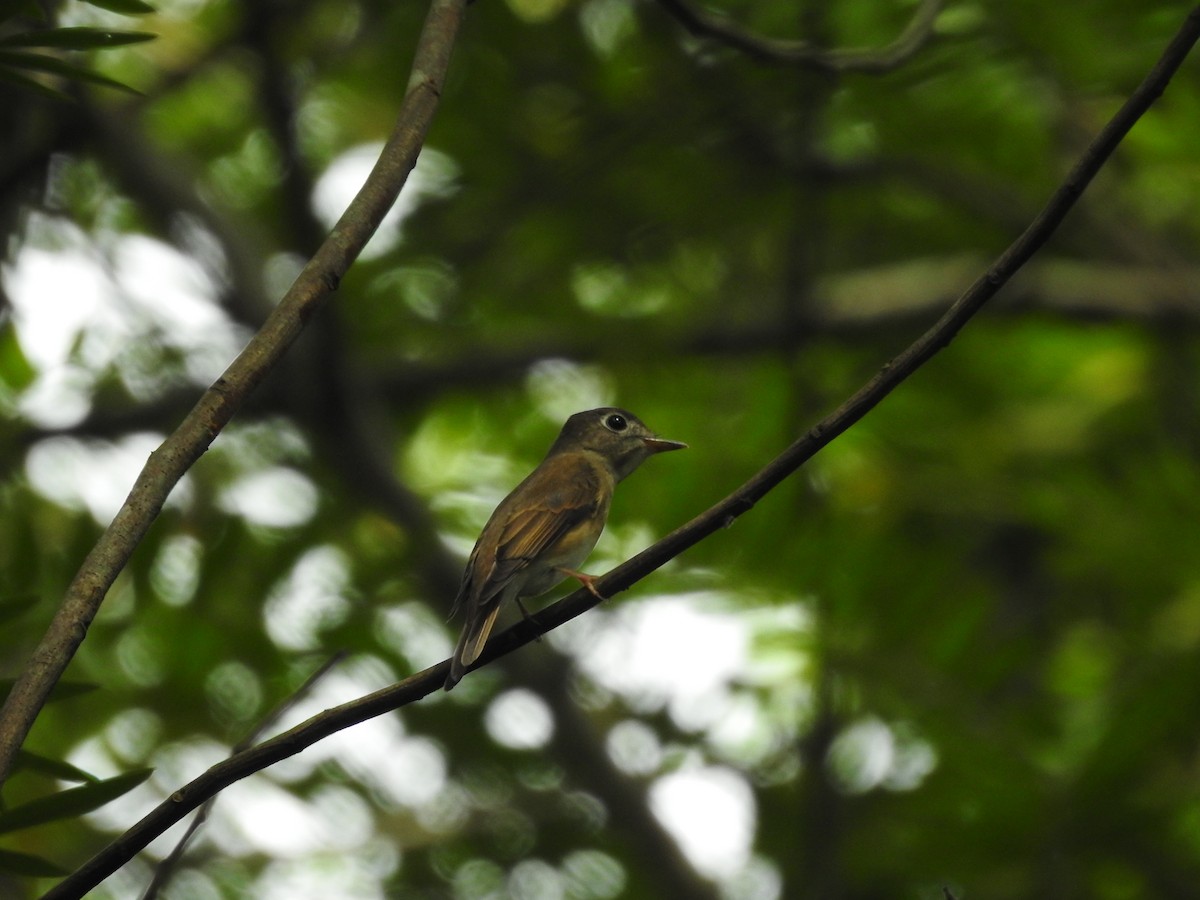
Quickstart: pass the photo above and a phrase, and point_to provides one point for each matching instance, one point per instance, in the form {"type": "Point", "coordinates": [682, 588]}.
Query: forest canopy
{"type": "Point", "coordinates": [955, 653]}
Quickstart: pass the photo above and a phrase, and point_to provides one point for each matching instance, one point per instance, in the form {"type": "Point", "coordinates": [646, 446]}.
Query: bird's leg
{"type": "Point", "coordinates": [525, 613]}
{"type": "Point", "coordinates": [588, 581]}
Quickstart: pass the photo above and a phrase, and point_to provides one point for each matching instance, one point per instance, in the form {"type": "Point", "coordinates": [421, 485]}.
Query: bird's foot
{"type": "Point", "coordinates": [588, 581]}
{"type": "Point", "coordinates": [525, 613]}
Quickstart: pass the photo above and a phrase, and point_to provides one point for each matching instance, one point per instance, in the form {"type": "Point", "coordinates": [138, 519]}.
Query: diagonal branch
{"type": "Point", "coordinates": [722, 515]}
{"type": "Point", "coordinates": [166, 869]}
{"type": "Point", "coordinates": [706, 24]}
{"type": "Point", "coordinates": [220, 402]}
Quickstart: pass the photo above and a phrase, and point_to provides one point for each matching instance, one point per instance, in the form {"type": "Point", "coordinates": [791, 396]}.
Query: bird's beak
{"type": "Point", "coordinates": [662, 445]}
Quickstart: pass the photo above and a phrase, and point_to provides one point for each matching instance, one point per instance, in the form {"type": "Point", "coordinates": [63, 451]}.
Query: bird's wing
{"type": "Point", "coordinates": [566, 497]}
{"type": "Point", "coordinates": [539, 513]}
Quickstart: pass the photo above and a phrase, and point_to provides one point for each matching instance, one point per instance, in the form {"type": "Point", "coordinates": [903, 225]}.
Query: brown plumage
{"type": "Point", "coordinates": [544, 530]}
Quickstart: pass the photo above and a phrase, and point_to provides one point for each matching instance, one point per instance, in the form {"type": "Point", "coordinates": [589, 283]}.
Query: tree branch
{"type": "Point", "coordinates": [220, 402]}
{"type": "Point", "coordinates": [166, 869]}
{"type": "Point", "coordinates": [802, 53]}
{"type": "Point", "coordinates": [722, 515]}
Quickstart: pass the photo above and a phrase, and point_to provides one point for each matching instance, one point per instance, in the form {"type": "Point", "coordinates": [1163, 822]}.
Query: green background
{"type": "Point", "coordinates": [959, 648]}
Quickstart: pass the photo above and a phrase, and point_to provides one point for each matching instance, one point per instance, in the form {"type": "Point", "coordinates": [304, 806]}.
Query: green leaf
{"type": "Point", "coordinates": [28, 866]}
{"type": "Point", "coordinates": [35, 762]}
{"type": "Point", "coordinates": [15, 606]}
{"type": "Point", "coordinates": [34, 85]}
{"type": "Point", "coordinates": [76, 38]}
{"type": "Point", "coordinates": [37, 63]}
{"type": "Point", "coordinates": [15, 370]}
{"type": "Point", "coordinates": [70, 803]}
{"type": "Point", "coordinates": [124, 7]}
{"type": "Point", "coordinates": [64, 690]}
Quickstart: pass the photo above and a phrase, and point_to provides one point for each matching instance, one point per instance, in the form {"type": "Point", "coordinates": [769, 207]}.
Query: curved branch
{"type": "Point", "coordinates": [220, 402]}
{"type": "Point", "coordinates": [722, 515]}
{"type": "Point", "coordinates": [802, 53]}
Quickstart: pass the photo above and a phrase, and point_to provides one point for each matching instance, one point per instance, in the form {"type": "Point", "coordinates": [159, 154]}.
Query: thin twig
{"type": "Point", "coordinates": [717, 517]}
{"type": "Point", "coordinates": [803, 53]}
{"type": "Point", "coordinates": [220, 402]}
{"type": "Point", "coordinates": [165, 869]}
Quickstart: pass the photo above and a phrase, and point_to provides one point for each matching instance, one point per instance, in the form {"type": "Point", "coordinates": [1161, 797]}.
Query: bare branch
{"type": "Point", "coordinates": [166, 868]}
{"type": "Point", "coordinates": [221, 401]}
{"type": "Point", "coordinates": [803, 53]}
{"type": "Point", "coordinates": [722, 515]}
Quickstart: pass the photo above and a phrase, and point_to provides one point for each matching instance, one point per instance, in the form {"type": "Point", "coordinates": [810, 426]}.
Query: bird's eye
{"type": "Point", "coordinates": [615, 422]}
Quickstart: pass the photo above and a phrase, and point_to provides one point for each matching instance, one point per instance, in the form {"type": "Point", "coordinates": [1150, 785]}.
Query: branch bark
{"type": "Point", "coordinates": [225, 397]}
{"type": "Point", "coordinates": [722, 515]}
{"type": "Point", "coordinates": [166, 869]}
{"type": "Point", "coordinates": [802, 53]}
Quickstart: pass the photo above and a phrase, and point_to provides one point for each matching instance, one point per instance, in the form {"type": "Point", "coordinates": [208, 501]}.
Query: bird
{"type": "Point", "coordinates": [545, 528]}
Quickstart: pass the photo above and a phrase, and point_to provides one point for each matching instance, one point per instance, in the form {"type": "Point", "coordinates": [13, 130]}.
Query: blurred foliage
{"type": "Point", "coordinates": [961, 648]}
{"type": "Point", "coordinates": [24, 27]}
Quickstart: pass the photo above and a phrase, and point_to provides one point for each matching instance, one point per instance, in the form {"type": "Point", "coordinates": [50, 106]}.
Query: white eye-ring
{"type": "Point", "coordinates": [616, 422]}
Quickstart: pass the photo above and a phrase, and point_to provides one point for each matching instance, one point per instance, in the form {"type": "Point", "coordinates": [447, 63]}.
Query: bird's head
{"type": "Point", "coordinates": [616, 435]}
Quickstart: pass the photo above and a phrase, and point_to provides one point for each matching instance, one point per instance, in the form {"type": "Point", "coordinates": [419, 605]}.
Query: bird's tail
{"type": "Point", "coordinates": [471, 642]}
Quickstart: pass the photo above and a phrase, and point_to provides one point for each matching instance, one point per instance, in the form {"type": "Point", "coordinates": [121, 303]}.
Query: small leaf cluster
{"type": "Point", "coordinates": [59, 806]}
{"type": "Point", "coordinates": [34, 54]}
